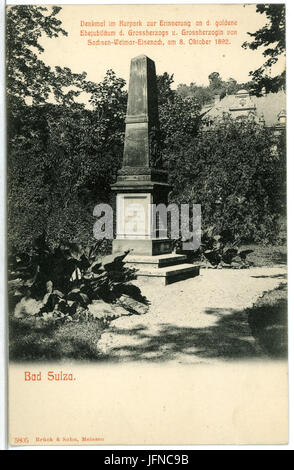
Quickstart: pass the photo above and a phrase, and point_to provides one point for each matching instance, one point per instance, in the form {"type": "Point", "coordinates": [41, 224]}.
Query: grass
{"type": "Point", "coordinates": [266, 255]}
{"type": "Point", "coordinates": [30, 339]}
{"type": "Point", "coordinates": [268, 322]}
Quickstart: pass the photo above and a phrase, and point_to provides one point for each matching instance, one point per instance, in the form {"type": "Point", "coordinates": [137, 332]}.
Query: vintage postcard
{"type": "Point", "coordinates": [146, 224]}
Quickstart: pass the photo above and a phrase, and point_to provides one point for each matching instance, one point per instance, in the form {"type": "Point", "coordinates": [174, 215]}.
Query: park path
{"type": "Point", "coordinates": [198, 320]}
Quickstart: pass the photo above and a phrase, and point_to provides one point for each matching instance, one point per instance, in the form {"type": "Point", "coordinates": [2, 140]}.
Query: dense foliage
{"type": "Point", "coordinates": [217, 86]}
{"type": "Point", "coordinates": [61, 162]}
{"type": "Point", "coordinates": [236, 171]}
{"type": "Point", "coordinates": [222, 249]}
{"type": "Point", "coordinates": [65, 280]}
{"type": "Point", "coordinates": [272, 38]}
{"type": "Point", "coordinates": [63, 155]}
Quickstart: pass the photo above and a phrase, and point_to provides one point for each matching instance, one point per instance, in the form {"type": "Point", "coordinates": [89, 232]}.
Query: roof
{"type": "Point", "coordinates": [267, 107]}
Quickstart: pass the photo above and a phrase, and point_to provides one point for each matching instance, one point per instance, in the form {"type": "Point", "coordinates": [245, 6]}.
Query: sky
{"type": "Point", "coordinates": [188, 63]}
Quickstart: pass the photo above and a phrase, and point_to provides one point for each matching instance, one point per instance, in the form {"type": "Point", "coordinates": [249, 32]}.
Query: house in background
{"type": "Point", "coordinates": [268, 109]}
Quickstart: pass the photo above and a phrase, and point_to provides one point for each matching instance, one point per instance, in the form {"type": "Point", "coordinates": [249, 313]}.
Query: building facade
{"type": "Point", "coordinates": [268, 110]}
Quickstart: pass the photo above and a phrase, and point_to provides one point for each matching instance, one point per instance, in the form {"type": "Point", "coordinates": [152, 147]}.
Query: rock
{"type": "Point", "coordinates": [27, 306]}
{"type": "Point", "coordinates": [47, 316]}
{"type": "Point", "coordinates": [49, 287]}
{"type": "Point", "coordinates": [132, 305]}
{"type": "Point", "coordinates": [102, 310]}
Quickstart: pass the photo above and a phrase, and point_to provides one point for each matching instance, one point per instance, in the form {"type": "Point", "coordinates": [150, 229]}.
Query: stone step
{"type": "Point", "coordinates": [159, 261]}
{"type": "Point", "coordinates": [169, 274]}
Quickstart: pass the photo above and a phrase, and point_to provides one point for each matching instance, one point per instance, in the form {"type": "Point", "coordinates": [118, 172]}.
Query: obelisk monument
{"type": "Point", "coordinates": [143, 182]}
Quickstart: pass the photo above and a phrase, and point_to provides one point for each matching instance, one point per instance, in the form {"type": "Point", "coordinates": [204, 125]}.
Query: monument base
{"type": "Point", "coordinates": [143, 247]}
{"type": "Point", "coordinates": [153, 259]}
{"type": "Point", "coordinates": [165, 268]}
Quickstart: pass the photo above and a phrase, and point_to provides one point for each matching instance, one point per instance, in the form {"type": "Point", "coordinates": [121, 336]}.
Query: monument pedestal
{"type": "Point", "coordinates": [168, 275]}
{"type": "Point", "coordinates": [137, 191]}
{"type": "Point", "coordinates": [151, 257]}
{"type": "Point", "coordinates": [142, 247]}
{"type": "Point", "coordinates": [164, 268]}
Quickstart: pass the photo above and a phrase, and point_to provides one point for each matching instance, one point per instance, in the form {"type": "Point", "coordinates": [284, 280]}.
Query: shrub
{"type": "Point", "coordinates": [61, 282]}
{"type": "Point", "coordinates": [218, 248]}
{"type": "Point", "coordinates": [221, 250]}
{"type": "Point", "coordinates": [236, 171]}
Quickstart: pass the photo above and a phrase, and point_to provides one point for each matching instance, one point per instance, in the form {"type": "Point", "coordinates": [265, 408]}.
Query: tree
{"type": "Point", "coordinates": [29, 79]}
{"type": "Point", "coordinates": [165, 93]}
{"type": "Point", "coordinates": [200, 93]}
{"type": "Point", "coordinates": [231, 86]}
{"type": "Point", "coordinates": [61, 163]}
{"type": "Point", "coordinates": [237, 175]}
{"type": "Point", "coordinates": [62, 156]}
{"type": "Point", "coordinates": [178, 116]}
{"type": "Point", "coordinates": [272, 38]}
{"type": "Point", "coordinates": [216, 84]}
{"type": "Point", "coordinates": [179, 123]}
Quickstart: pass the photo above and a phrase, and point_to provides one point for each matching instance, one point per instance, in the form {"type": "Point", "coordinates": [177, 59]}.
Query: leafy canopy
{"type": "Point", "coordinates": [273, 39]}
{"type": "Point", "coordinates": [236, 172]}
{"type": "Point", "coordinates": [63, 157]}
{"type": "Point", "coordinates": [217, 86]}
{"type": "Point", "coordinates": [28, 77]}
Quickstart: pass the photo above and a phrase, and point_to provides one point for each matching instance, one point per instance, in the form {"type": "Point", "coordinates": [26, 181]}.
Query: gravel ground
{"type": "Point", "coordinates": [199, 320]}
